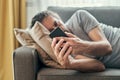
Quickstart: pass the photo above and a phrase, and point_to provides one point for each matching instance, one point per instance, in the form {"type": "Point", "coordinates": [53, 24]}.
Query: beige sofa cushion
{"type": "Point", "coordinates": [26, 40]}
{"type": "Point", "coordinates": [41, 36]}
{"type": "Point", "coordinates": [23, 37]}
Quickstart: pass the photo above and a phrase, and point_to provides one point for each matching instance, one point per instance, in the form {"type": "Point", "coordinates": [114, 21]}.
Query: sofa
{"type": "Point", "coordinates": [28, 66]}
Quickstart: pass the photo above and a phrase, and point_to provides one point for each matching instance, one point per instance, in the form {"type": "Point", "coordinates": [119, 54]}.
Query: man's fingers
{"type": "Point", "coordinates": [69, 34]}
{"type": "Point", "coordinates": [53, 43]}
{"type": "Point", "coordinates": [64, 49]}
{"type": "Point", "coordinates": [58, 46]}
{"type": "Point", "coordinates": [67, 53]}
{"type": "Point", "coordinates": [65, 38]}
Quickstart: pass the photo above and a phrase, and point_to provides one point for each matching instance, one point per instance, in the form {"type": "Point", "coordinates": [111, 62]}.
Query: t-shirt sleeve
{"type": "Point", "coordinates": [87, 20]}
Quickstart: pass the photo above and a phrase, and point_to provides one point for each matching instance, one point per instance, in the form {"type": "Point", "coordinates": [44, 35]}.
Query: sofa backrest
{"type": "Point", "coordinates": [107, 15]}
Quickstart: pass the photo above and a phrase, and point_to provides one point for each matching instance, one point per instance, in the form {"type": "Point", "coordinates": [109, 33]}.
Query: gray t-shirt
{"type": "Point", "coordinates": [82, 22]}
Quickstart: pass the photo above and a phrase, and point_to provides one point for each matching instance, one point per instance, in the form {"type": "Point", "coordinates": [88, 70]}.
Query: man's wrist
{"type": "Point", "coordinates": [71, 62]}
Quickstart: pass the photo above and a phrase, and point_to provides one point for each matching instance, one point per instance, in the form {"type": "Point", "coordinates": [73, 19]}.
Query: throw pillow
{"type": "Point", "coordinates": [23, 37]}
{"type": "Point", "coordinates": [26, 40]}
{"type": "Point", "coordinates": [40, 35]}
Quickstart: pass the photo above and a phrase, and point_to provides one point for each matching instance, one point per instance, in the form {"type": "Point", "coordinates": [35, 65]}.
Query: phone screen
{"type": "Point", "coordinates": [57, 33]}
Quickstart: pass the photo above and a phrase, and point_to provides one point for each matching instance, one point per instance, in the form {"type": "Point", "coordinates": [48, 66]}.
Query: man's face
{"type": "Point", "coordinates": [51, 23]}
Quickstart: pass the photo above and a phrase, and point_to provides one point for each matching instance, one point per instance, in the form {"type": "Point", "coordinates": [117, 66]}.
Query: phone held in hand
{"type": "Point", "coordinates": [57, 33]}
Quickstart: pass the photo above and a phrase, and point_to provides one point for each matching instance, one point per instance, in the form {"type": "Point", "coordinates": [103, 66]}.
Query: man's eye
{"type": "Point", "coordinates": [55, 24]}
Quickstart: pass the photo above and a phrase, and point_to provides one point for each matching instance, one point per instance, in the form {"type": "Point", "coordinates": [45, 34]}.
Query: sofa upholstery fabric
{"type": "Point", "coordinates": [53, 74]}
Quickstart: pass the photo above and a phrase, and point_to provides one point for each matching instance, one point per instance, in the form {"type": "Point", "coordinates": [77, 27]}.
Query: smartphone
{"type": "Point", "coordinates": [57, 33]}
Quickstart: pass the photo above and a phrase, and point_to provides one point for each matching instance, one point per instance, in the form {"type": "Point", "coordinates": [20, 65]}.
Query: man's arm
{"type": "Point", "coordinates": [85, 64]}
{"type": "Point", "coordinates": [99, 46]}
{"type": "Point", "coordinates": [81, 63]}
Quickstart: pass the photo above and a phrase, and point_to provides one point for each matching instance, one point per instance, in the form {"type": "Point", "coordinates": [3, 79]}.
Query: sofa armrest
{"type": "Point", "coordinates": [26, 63]}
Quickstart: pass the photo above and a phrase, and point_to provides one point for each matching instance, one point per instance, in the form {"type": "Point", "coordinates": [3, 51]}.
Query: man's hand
{"type": "Point", "coordinates": [75, 42]}
{"type": "Point", "coordinates": [61, 52]}
{"type": "Point", "coordinates": [101, 47]}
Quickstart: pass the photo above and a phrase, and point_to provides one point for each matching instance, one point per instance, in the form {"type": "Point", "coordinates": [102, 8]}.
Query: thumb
{"type": "Point", "coordinates": [69, 34]}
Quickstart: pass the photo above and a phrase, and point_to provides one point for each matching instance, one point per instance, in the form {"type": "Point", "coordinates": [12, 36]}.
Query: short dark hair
{"type": "Point", "coordinates": [40, 16]}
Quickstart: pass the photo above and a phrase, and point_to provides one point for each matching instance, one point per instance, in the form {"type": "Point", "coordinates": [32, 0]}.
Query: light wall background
{"type": "Point", "coordinates": [34, 6]}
